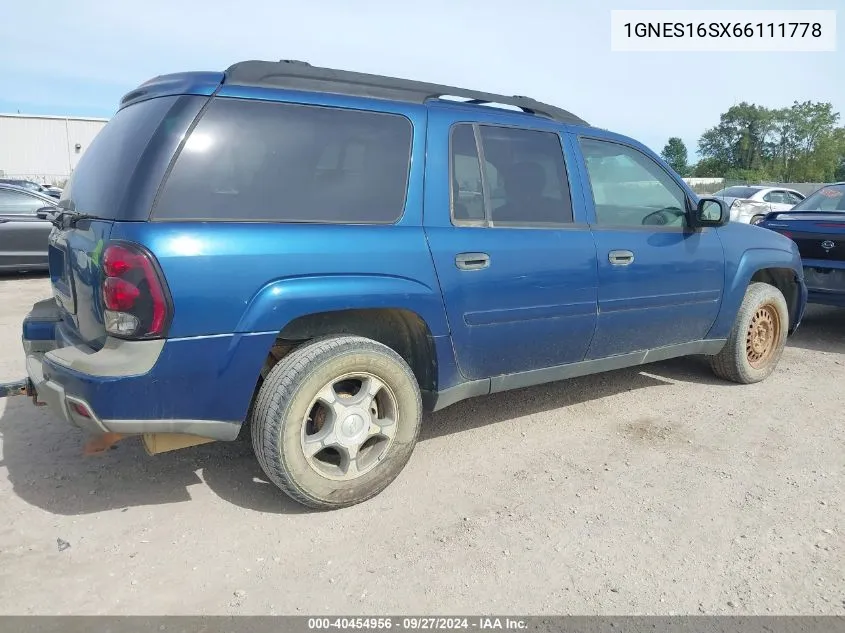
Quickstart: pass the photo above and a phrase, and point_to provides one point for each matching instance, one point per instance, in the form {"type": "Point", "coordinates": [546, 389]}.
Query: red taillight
{"type": "Point", "coordinates": [119, 294]}
{"type": "Point", "coordinates": [134, 294]}
{"type": "Point", "coordinates": [118, 259]}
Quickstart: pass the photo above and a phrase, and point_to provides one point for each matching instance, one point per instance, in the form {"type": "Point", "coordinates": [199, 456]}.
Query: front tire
{"type": "Point", "coordinates": [336, 420]}
{"type": "Point", "coordinates": [758, 337]}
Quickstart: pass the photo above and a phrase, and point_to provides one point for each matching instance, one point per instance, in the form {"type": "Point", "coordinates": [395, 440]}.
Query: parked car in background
{"type": "Point", "coordinates": [817, 226]}
{"type": "Point", "coordinates": [746, 202]}
{"type": "Point", "coordinates": [52, 190]}
{"type": "Point", "coordinates": [285, 251]}
{"type": "Point", "coordinates": [43, 188]}
{"type": "Point", "coordinates": [24, 184]}
{"type": "Point", "coordinates": [24, 228]}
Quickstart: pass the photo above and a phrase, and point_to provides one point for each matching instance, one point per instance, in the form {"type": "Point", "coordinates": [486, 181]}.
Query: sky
{"type": "Point", "coordinates": [78, 58]}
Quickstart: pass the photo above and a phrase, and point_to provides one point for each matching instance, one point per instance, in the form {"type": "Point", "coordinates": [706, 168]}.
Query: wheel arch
{"type": "Point", "coordinates": [402, 330]}
{"type": "Point", "coordinates": [785, 280]}
{"type": "Point", "coordinates": [779, 268]}
{"type": "Point", "coordinates": [400, 312]}
{"type": "Point", "coordinates": [280, 302]}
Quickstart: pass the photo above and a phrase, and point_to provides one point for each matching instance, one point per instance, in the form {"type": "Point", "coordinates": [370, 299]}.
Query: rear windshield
{"type": "Point", "coordinates": [98, 184]}
{"type": "Point", "coordinates": [737, 192]}
{"type": "Point", "coordinates": [831, 198]}
{"type": "Point", "coordinates": [257, 160]}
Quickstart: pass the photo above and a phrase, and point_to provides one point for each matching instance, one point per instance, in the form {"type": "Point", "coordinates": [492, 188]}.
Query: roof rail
{"type": "Point", "coordinates": [298, 75]}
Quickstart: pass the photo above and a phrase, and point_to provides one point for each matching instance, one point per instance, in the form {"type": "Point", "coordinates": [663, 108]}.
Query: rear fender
{"type": "Point", "coordinates": [280, 302]}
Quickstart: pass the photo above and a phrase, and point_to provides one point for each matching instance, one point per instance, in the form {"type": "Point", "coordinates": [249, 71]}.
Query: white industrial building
{"type": "Point", "coordinates": [44, 148]}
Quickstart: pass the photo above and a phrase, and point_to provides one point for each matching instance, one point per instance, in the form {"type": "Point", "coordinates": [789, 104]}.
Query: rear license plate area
{"type": "Point", "coordinates": [825, 278]}
{"type": "Point", "coordinates": [56, 261]}
{"type": "Point", "coordinates": [62, 290]}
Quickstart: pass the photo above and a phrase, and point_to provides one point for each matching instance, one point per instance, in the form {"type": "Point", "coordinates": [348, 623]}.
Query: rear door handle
{"type": "Point", "coordinates": [472, 261]}
{"type": "Point", "coordinates": [620, 258]}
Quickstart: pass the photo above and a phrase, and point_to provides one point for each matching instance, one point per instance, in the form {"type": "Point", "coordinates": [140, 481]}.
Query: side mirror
{"type": "Point", "coordinates": [44, 213]}
{"type": "Point", "coordinates": [710, 212]}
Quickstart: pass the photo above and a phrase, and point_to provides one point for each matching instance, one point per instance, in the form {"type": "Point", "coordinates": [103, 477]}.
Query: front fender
{"type": "Point", "coordinates": [738, 275]}
{"type": "Point", "coordinates": [281, 301]}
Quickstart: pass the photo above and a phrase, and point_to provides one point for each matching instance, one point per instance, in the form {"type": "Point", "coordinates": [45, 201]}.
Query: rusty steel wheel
{"type": "Point", "coordinates": [757, 339]}
{"type": "Point", "coordinates": [762, 336]}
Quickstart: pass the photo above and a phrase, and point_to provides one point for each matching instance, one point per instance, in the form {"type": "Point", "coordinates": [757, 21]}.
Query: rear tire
{"type": "Point", "coordinates": [756, 342]}
{"type": "Point", "coordinates": [336, 420]}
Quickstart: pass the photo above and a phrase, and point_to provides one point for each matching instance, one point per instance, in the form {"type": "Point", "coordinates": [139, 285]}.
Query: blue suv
{"type": "Point", "coordinates": [310, 257]}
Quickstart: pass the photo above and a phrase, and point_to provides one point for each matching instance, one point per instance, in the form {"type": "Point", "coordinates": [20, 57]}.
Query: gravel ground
{"type": "Point", "coordinates": [655, 490]}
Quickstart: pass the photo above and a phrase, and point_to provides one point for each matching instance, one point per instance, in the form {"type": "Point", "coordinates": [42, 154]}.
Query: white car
{"type": "Point", "coordinates": [748, 202]}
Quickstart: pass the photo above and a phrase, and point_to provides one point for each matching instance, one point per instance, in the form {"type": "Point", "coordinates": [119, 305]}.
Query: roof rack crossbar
{"type": "Point", "coordinates": [298, 75]}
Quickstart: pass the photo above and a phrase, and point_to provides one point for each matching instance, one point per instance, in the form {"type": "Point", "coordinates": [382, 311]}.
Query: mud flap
{"type": "Point", "coordinates": [156, 443]}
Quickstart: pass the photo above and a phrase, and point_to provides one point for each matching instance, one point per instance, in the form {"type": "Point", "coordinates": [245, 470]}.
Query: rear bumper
{"type": "Point", "coordinates": [108, 390]}
{"type": "Point", "coordinates": [53, 395]}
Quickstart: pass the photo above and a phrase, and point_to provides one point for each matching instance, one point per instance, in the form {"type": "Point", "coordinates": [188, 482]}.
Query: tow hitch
{"type": "Point", "coordinates": [20, 388]}
{"type": "Point", "coordinates": [95, 445]}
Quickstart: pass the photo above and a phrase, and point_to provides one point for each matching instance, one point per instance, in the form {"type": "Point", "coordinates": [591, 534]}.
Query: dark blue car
{"type": "Point", "coordinates": [316, 256]}
{"type": "Point", "coordinates": [817, 226]}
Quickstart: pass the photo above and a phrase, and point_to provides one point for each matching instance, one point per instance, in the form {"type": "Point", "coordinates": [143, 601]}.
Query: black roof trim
{"type": "Point", "coordinates": [297, 75]}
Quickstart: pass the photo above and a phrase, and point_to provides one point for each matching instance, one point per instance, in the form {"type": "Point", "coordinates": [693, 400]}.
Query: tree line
{"type": "Point", "coordinates": [801, 143]}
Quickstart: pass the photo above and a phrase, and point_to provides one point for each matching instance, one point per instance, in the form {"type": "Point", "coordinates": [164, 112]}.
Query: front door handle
{"type": "Point", "coordinates": [472, 261]}
{"type": "Point", "coordinates": [620, 258]}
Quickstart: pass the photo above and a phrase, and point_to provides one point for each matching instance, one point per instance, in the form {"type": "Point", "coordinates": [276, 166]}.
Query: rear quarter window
{"type": "Point", "coordinates": [101, 178]}
{"type": "Point", "coordinates": [281, 162]}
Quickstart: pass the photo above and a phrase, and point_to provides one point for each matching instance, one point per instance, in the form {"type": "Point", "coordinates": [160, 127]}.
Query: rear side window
{"type": "Point", "coordinates": [280, 162]}
{"type": "Point", "coordinates": [523, 182]}
{"type": "Point", "coordinates": [776, 197]}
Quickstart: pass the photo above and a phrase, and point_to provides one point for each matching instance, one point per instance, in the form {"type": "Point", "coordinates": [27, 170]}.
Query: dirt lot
{"type": "Point", "coordinates": [651, 490]}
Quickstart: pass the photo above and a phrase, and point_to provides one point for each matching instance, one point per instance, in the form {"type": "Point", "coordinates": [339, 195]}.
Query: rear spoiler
{"type": "Point", "coordinates": [195, 83]}
{"type": "Point", "coordinates": [774, 215]}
